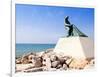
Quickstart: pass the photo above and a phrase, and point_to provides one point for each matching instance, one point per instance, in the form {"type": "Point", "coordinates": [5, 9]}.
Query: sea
{"type": "Point", "coordinates": [27, 48]}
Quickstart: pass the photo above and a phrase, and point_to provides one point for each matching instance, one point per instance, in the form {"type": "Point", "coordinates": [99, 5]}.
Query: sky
{"type": "Point", "coordinates": [45, 24]}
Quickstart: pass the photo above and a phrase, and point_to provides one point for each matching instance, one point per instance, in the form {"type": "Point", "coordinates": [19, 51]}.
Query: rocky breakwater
{"type": "Point", "coordinates": [50, 61]}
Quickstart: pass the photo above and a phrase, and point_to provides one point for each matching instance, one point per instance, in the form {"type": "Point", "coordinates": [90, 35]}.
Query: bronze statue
{"type": "Point", "coordinates": [72, 29]}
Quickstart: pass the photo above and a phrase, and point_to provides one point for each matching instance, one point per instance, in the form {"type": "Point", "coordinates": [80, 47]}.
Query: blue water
{"type": "Point", "coordinates": [26, 48]}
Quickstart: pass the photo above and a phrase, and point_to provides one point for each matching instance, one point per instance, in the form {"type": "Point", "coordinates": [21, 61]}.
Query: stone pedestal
{"type": "Point", "coordinates": [77, 47]}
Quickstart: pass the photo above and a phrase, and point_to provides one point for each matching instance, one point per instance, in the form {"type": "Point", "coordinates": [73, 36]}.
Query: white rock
{"type": "Point", "coordinates": [53, 57]}
{"type": "Point", "coordinates": [89, 66]}
{"type": "Point", "coordinates": [68, 61]}
{"type": "Point", "coordinates": [59, 66]}
{"type": "Point", "coordinates": [55, 64]}
{"type": "Point", "coordinates": [31, 57]}
{"type": "Point", "coordinates": [78, 63]}
{"type": "Point", "coordinates": [37, 62]}
{"type": "Point", "coordinates": [65, 67]}
{"type": "Point", "coordinates": [92, 61]}
{"type": "Point", "coordinates": [40, 53]}
{"type": "Point", "coordinates": [62, 60]}
{"type": "Point", "coordinates": [25, 60]}
{"type": "Point", "coordinates": [47, 63]}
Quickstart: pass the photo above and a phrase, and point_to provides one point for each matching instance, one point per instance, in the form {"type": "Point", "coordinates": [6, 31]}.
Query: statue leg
{"type": "Point", "coordinates": [69, 33]}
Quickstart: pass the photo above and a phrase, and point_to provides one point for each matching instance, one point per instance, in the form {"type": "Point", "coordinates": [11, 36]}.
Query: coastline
{"type": "Point", "coordinates": [26, 48]}
{"type": "Point", "coordinates": [50, 61]}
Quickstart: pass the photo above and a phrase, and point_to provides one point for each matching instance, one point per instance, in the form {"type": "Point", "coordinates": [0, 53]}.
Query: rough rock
{"type": "Point", "coordinates": [40, 54]}
{"type": "Point", "coordinates": [34, 70]}
{"type": "Point", "coordinates": [55, 64]}
{"type": "Point", "coordinates": [65, 67]}
{"type": "Point", "coordinates": [46, 62]}
{"type": "Point", "coordinates": [68, 61]}
{"type": "Point", "coordinates": [59, 66]}
{"type": "Point", "coordinates": [89, 66]}
{"type": "Point", "coordinates": [49, 50]}
{"type": "Point", "coordinates": [52, 69]}
{"type": "Point", "coordinates": [51, 61]}
{"type": "Point", "coordinates": [92, 61]}
{"type": "Point", "coordinates": [25, 60]}
{"type": "Point", "coordinates": [30, 58]}
{"type": "Point", "coordinates": [18, 61]}
{"type": "Point", "coordinates": [37, 61]}
{"type": "Point", "coordinates": [21, 67]}
{"type": "Point", "coordinates": [53, 57]}
{"type": "Point", "coordinates": [62, 60]}
{"type": "Point", "coordinates": [78, 63]}
{"type": "Point", "coordinates": [67, 57]}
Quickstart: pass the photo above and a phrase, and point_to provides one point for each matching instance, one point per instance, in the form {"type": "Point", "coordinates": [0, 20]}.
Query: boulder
{"type": "Point", "coordinates": [68, 61]}
{"type": "Point", "coordinates": [21, 67]}
{"type": "Point", "coordinates": [53, 57]}
{"type": "Point", "coordinates": [46, 62]}
{"type": "Point", "coordinates": [92, 61]}
{"type": "Point", "coordinates": [67, 57]}
{"type": "Point", "coordinates": [90, 65]}
{"type": "Point", "coordinates": [78, 63]}
{"type": "Point", "coordinates": [18, 61]}
{"type": "Point", "coordinates": [40, 54]}
{"type": "Point", "coordinates": [62, 60]}
{"type": "Point", "coordinates": [55, 64]}
{"type": "Point", "coordinates": [52, 69]}
{"type": "Point", "coordinates": [59, 66]}
{"type": "Point", "coordinates": [30, 58]}
{"type": "Point", "coordinates": [25, 60]}
{"type": "Point", "coordinates": [64, 67]}
{"type": "Point", "coordinates": [49, 50]}
{"type": "Point", "coordinates": [37, 61]}
{"type": "Point", "coordinates": [34, 70]}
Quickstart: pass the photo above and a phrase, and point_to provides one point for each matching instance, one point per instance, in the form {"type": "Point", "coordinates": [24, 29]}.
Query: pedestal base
{"type": "Point", "coordinates": [77, 47]}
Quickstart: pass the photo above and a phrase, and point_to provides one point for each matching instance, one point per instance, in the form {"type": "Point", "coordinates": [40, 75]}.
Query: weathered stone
{"type": "Point", "coordinates": [55, 64]}
{"type": "Point", "coordinates": [65, 67]}
{"type": "Point", "coordinates": [49, 50]}
{"type": "Point", "coordinates": [61, 69]}
{"type": "Point", "coordinates": [68, 61]}
{"type": "Point", "coordinates": [59, 66]}
{"type": "Point", "coordinates": [30, 58]}
{"type": "Point", "coordinates": [92, 61]}
{"type": "Point", "coordinates": [37, 61]}
{"type": "Point", "coordinates": [21, 67]}
{"type": "Point", "coordinates": [25, 60]}
{"type": "Point", "coordinates": [52, 69]}
{"type": "Point", "coordinates": [78, 63]}
{"type": "Point", "coordinates": [60, 54]}
{"type": "Point", "coordinates": [47, 62]}
{"type": "Point", "coordinates": [53, 57]}
{"type": "Point", "coordinates": [18, 61]}
{"type": "Point", "coordinates": [40, 54]}
{"type": "Point", "coordinates": [62, 60]}
{"type": "Point", "coordinates": [89, 66]}
{"type": "Point", "coordinates": [67, 57]}
{"type": "Point", "coordinates": [34, 70]}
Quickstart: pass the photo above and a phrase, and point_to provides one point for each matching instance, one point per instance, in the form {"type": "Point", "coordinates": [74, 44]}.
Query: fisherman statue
{"type": "Point", "coordinates": [72, 29]}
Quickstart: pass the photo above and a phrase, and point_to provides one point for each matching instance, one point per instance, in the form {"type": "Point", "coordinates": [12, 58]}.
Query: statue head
{"type": "Point", "coordinates": [67, 17]}
{"type": "Point", "coordinates": [66, 20]}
